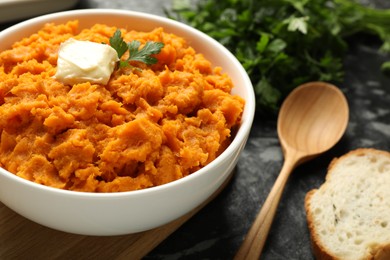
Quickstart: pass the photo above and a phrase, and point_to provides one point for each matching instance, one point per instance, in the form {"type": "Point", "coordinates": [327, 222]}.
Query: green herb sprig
{"type": "Point", "coordinates": [284, 43]}
{"type": "Point", "coordinates": [135, 53]}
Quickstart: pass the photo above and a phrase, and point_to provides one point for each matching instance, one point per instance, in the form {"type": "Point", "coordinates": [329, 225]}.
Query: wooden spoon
{"type": "Point", "coordinates": [311, 120]}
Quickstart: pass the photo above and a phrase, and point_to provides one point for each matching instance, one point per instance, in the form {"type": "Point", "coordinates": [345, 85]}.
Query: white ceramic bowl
{"type": "Point", "coordinates": [133, 211]}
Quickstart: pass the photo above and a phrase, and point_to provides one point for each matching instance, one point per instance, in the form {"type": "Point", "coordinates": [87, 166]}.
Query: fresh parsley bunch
{"type": "Point", "coordinates": [284, 43]}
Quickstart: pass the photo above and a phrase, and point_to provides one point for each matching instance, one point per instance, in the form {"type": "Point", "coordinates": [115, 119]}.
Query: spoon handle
{"type": "Point", "coordinates": [255, 239]}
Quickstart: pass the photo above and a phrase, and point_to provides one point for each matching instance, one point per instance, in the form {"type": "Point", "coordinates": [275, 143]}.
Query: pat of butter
{"type": "Point", "coordinates": [85, 61]}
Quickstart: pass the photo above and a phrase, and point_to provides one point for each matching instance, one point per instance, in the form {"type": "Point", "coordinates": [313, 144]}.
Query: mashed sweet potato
{"type": "Point", "coordinates": [144, 128]}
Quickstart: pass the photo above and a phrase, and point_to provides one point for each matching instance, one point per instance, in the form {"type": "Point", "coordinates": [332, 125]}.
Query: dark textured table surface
{"type": "Point", "coordinates": [217, 230]}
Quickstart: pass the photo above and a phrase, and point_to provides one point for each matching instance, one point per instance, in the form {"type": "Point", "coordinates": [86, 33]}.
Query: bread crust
{"type": "Point", "coordinates": [381, 252]}
{"type": "Point", "coordinates": [318, 249]}
{"type": "Point", "coordinates": [357, 152]}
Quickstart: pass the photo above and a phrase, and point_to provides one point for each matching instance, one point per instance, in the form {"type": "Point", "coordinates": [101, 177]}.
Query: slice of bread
{"type": "Point", "coordinates": [349, 215]}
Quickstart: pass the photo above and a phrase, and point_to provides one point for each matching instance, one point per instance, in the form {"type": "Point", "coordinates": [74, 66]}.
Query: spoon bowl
{"type": "Point", "coordinates": [312, 119]}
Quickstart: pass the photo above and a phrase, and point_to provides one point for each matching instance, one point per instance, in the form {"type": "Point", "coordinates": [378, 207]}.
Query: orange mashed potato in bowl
{"type": "Point", "coordinates": [146, 127]}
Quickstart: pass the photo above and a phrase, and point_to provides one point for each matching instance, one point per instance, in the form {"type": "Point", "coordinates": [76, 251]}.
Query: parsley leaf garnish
{"type": "Point", "coordinates": [118, 44]}
{"type": "Point", "coordinates": [135, 53]}
{"type": "Point", "coordinates": [143, 54]}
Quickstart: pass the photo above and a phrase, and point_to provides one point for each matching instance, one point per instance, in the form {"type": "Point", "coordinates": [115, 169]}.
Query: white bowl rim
{"type": "Point", "coordinates": [239, 138]}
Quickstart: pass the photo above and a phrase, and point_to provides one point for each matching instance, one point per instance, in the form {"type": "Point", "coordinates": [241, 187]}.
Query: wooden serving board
{"type": "Point", "coordinates": [21, 238]}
